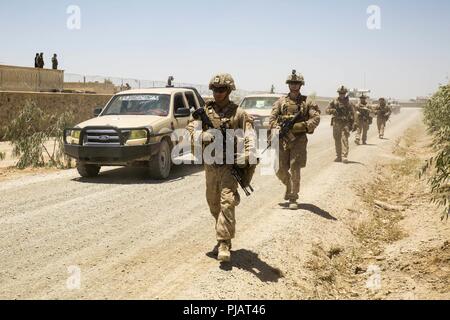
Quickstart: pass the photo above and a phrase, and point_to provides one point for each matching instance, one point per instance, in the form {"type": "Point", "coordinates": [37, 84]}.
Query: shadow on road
{"type": "Point", "coordinates": [311, 208]}
{"type": "Point", "coordinates": [355, 162]}
{"type": "Point", "coordinates": [138, 175]}
{"type": "Point", "coordinates": [249, 261]}
{"type": "Point", "coordinates": [316, 210]}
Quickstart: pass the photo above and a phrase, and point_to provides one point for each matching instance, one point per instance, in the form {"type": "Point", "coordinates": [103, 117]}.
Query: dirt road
{"type": "Point", "coordinates": [131, 237]}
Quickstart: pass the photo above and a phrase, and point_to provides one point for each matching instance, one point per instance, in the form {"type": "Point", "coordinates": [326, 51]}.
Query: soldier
{"type": "Point", "coordinates": [41, 60]}
{"type": "Point", "coordinates": [383, 112]}
{"type": "Point", "coordinates": [342, 111]}
{"type": "Point", "coordinates": [292, 151]}
{"type": "Point", "coordinates": [54, 62]}
{"type": "Point", "coordinates": [36, 60]}
{"type": "Point", "coordinates": [363, 119]}
{"type": "Point", "coordinates": [221, 187]}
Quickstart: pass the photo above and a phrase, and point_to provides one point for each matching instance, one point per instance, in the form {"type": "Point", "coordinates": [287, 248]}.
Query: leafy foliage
{"type": "Point", "coordinates": [37, 137]}
{"type": "Point", "coordinates": [437, 118]}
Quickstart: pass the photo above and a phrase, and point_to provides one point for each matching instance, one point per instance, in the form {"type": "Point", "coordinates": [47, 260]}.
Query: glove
{"type": "Point", "coordinates": [207, 137]}
{"type": "Point", "coordinates": [300, 127]}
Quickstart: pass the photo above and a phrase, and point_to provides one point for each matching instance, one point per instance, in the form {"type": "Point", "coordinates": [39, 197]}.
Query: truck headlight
{"type": "Point", "coordinates": [137, 137]}
{"type": "Point", "coordinates": [138, 134]}
{"type": "Point", "coordinates": [75, 136]}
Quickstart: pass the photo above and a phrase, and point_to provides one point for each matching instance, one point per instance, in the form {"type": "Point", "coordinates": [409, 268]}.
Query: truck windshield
{"type": "Point", "coordinates": [139, 104]}
{"type": "Point", "coordinates": [258, 103]}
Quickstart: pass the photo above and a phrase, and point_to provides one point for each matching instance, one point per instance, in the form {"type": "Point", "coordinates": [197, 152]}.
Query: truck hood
{"type": "Point", "coordinates": [259, 112]}
{"type": "Point", "coordinates": [121, 121]}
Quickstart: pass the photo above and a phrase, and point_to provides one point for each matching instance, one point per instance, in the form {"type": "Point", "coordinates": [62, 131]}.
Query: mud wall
{"type": "Point", "coordinates": [82, 105]}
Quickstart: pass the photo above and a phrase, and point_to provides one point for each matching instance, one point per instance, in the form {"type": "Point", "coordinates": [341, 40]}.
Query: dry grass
{"type": "Point", "coordinates": [337, 273]}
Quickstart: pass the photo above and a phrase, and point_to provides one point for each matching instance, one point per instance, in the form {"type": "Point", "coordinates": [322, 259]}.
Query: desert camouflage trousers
{"type": "Point", "coordinates": [381, 123]}
{"type": "Point", "coordinates": [341, 133]}
{"type": "Point", "coordinates": [291, 160]}
{"type": "Point", "coordinates": [361, 133]}
{"type": "Point", "coordinates": [222, 197]}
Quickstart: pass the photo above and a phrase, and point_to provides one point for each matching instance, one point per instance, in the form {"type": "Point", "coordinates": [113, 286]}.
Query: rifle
{"type": "Point", "coordinates": [236, 172]}
{"type": "Point", "coordinates": [285, 127]}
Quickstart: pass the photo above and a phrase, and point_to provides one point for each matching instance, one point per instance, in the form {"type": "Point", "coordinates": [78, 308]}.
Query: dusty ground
{"type": "Point", "coordinates": [131, 237]}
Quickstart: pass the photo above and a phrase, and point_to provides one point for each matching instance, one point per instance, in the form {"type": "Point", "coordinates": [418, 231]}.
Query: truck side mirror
{"type": "Point", "coordinates": [97, 111]}
{"type": "Point", "coordinates": [182, 112]}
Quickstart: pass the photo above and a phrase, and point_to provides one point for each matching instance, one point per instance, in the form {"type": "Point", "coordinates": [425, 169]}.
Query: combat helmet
{"type": "Point", "coordinates": [342, 89]}
{"type": "Point", "coordinates": [222, 80]}
{"type": "Point", "coordinates": [295, 77]}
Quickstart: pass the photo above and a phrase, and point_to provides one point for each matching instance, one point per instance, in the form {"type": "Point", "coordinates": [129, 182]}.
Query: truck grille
{"type": "Point", "coordinates": [102, 137]}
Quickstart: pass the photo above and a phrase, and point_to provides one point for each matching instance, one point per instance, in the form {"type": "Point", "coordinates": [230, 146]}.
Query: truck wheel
{"type": "Point", "coordinates": [88, 170]}
{"type": "Point", "coordinates": [160, 164]}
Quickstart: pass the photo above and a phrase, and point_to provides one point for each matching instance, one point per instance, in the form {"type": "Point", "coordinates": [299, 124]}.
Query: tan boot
{"type": "Point", "coordinates": [224, 254]}
{"type": "Point", "coordinates": [293, 205]}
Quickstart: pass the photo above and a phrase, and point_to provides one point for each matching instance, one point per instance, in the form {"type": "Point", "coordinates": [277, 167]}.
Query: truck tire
{"type": "Point", "coordinates": [161, 163]}
{"type": "Point", "coordinates": [88, 170]}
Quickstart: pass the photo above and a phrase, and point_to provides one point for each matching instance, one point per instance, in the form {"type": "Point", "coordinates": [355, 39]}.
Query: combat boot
{"type": "Point", "coordinates": [338, 159]}
{"type": "Point", "coordinates": [215, 250]}
{"type": "Point", "coordinates": [293, 205]}
{"type": "Point", "coordinates": [224, 254]}
{"type": "Point", "coordinates": [357, 142]}
{"type": "Point", "coordinates": [345, 160]}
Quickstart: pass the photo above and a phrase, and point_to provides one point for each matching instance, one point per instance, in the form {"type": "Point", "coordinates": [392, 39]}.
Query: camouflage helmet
{"type": "Point", "coordinates": [363, 96]}
{"type": "Point", "coordinates": [295, 77]}
{"type": "Point", "coordinates": [342, 89]}
{"type": "Point", "coordinates": [222, 80]}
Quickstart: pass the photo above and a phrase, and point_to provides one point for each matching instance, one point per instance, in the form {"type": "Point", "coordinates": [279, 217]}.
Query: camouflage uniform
{"type": "Point", "coordinates": [221, 187]}
{"type": "Point", "coordinates": [363, 120]}
{"type": "Point", "coordinates": [342, 111]}
{"type": "Point", "coordinates": [383, 113]}
{"type": "Point", "coordinates": [292, 152]}
{"type": "Point", "coordinates": [54, 62]}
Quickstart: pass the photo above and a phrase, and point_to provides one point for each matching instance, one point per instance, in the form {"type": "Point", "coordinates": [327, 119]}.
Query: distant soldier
{"type": "Point", "coordinates": [363, 119]}
{"type": "Point", "coordinates": [342, 121]}
{"type": "Point", "coordinates": [54, 62]}
{"type": "Point", "coordinates": [41, 60]}
{"type": "Point", "coordinates": [292, 152]}
{"type": "Point", "coordinates": [383, 112]}
{"type": "Point", "coordinates": [36, 60]}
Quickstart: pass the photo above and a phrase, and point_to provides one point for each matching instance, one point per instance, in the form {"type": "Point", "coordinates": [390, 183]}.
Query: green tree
{"type": "Point", "coordinates": [437, 118]}
{"type": "Point", "coordinates": [34, 134]}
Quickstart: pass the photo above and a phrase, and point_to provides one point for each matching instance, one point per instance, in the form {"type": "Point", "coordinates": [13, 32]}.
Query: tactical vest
{"type": "Point", "coordinates": [289, 108]}
{"type": "Point", "coordinates": [364, 114]}
{"type": "Point", "coordinates": [230, 116]}
{"type": "Point", "coordinates": [343, 110]}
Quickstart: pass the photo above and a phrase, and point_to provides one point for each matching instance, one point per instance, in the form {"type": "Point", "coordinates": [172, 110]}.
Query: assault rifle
{"type": "Point", "coordinates": [237, 173]}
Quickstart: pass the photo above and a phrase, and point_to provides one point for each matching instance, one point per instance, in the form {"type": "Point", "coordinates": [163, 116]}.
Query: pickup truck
{"type": "Point", "coordinates": [260, 107]}
{"type": "Point", "coordinates": [134, 128]}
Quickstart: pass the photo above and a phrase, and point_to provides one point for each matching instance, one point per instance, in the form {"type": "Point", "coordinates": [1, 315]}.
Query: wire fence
{"type": "Point", "coordinates": [111, 85]}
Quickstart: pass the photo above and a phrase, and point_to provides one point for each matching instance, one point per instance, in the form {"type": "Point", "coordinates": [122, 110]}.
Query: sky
{"type": "Point", "coordinates": [258, 42]}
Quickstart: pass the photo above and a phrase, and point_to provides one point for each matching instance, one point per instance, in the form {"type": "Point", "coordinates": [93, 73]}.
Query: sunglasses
{"type": "Point", "coordinates": [220, 90]}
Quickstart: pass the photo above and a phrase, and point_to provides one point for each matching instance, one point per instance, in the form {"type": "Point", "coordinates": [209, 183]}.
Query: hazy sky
{"type": "Point", "coordinates": [258, 42]}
